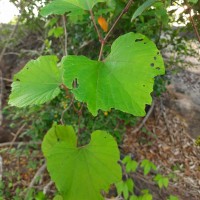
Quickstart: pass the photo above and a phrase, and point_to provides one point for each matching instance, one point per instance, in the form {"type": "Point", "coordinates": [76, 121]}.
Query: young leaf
{"type": "Point", "coordinates": [133, 197]}
{"type": "Point", "coordinates": [37, 83]}
{"type": "Point", "coordinates": [131, 166]}
{"type": "Point", "coordinates": [58, 197]}
{"type": "Point", "coordinates": [171, 197]}
{"type": "Point", "coordinates": [81, 173]}
{"type": "Point", "coordinates": [75, 7]}
{"type": "Point", "coordinates": [130, 184]}
{"type": "Point", "coordinates": [127, 159]}
{"type": "Point", "coordinates": [124, 80]}
{"type": "Point", "coordinates": [161, 181]}
{"type": "Point", "coordinates": [142, 8]}
{"type": "Point", "coordinates": [122, 188]}
{"type": "Point", "coordinates": [147, 165]}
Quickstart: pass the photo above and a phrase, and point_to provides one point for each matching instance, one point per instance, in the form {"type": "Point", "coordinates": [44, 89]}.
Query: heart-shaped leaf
{"type": "Point", "coordinates": [124, 80]}
{"type": "Point", "coordinates": [75, 7]}
{"type": "Point", "coordinates": [37, 83]}
{"type": "Point", "coordinates": [81, 173]}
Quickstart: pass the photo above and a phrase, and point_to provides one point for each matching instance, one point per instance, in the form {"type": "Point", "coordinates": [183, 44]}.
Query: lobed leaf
{"type": "Point", "coordinates": [81, 173]}
{"type": "Point", "coordinates": [124, 80]}
{"type": "Point", "coordinates": [38, 82]}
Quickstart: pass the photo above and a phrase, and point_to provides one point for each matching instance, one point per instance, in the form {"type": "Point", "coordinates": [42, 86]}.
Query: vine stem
{"type": "Point", "coordinates": [66, 35]}
{"type": "Point", "coordinates": [95, 25]}
{"type": "Point", "coordinates": [103, 41]}
{"type": "Point", "coordinates": [194, 25]}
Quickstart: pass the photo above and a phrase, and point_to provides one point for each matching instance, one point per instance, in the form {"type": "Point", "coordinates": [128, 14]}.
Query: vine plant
{"type": "Point", "coordinates": [124, 81]}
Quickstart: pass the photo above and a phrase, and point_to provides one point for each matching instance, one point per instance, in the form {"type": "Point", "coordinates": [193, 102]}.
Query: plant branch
{"type": "Point", "coordinates": [5, 144]}
{"type": "Point", "coordinates": [63, 113]}
{"type": "Point", "coordinates": [9, 38]}
{"type": "Point", "coordinates": [66, 35]}
{"type": "Point", "coordinates": [145, 119]}
{"type": "Point", "coordinates": [37, 174]}
{"type": "Point", "coordinates": [16, 135]}
{"type": "Point", "coordinates": [47, 186]}
{"type": "Point", "coordinates": [79, 120]}
{"type": "Point", "coordinates": [95, 25]}
{"type": "Point", "coordinates": [125, 10]}
{"type": "Point", "coordinates": [1, 97]}
{"type": "Point", "coordinates": [194, 25]}
{"type": "Point", "coordinates": [103, 41]}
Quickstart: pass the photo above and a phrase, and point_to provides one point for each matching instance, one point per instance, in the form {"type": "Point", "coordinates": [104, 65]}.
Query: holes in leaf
{"type": "Point", "coordinates": [158, 53]}
{"type": "Point", "coordinates": [75, 83]}
{"type": "Point", "coordinates": [158, 68]}
{"type": "Point", "coordinates": [144, 42]}
{"type": "Point", "coordinates": [155, 58]}
{"type": "Point", "coordinates": [17, 79]}
{"type": "Point", "coordinates": [139, 40]}
{"type": "Point", "coordinates": [152, 64]}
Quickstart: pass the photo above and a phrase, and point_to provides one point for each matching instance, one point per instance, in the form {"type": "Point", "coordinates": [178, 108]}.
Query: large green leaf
{"type": "Point", "coordinates": [124, 80]}
{"type": "Point", "coordinates": [142, 8]}
{"type": "Point", "coordinates": [81, 173]}
{"type": "Point", "coordinates": [76, 7]}
{"type": "Point", "coordinates": [37, 83]}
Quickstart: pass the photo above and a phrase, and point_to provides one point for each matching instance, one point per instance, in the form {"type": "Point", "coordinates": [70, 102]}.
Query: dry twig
{"type": "Point", "coordinates": [47, 186]}
{"type": "Point", "coordinates": [16, 135]}
{"type": "Point", "coordinates": [37, 174]}
{"type": "Point", "coordinates": [9, 38]}
{"type": "Point", "coordinates": [144, 120]}
{"type": "Point", "coordinates": [166, 121]}
{"type": "Point", "coordinates": [2, 145]}
{"type": "Point", "coordinates": [1, 97]}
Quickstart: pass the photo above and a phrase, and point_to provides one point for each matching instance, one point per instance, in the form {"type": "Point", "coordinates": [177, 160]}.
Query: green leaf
{"type": "Point", "coordinates": [127, 159]}
{"type": "Point", "coordinates": [131, 166]}
{"type": "Point", "coordinates": [124, 80]}
{"type": "Point", "coordinates": [75, 7]}
{"type": "Point", "coordinates": [122, 188]}
{"type": "Point", "coordinates": [56, 32]}
{"type": "Point", "coordinates": [81, 173]}
{"type": "Point", "coordinates": [147, 165]}
{"type": "Point", "coordinates": [171, 197]}
{"type": "Point", "coordinates": [161, 181]}
{"type": "Point", "coordinates": [130, 184]}
{"type": "Point", "coordinates": [40, 196]}
{"type": "Point", "coordinates": [142, 8]}
{"type": "Point", "coordinates": [38, 82]}
{"type": "Point", "coordinates": [147, 197]}
{"type": "Point", "coordinates": [193, 1]}
{"type": "Point", "coordinates": [58, 197]}
{"type": "Point", "coordinates": [133, 197]}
